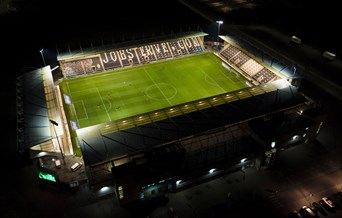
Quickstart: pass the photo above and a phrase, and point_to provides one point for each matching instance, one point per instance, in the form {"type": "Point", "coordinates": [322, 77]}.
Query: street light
{"type": "Point", "coordinates": [41, 52]}
{"type": "Point", "coordinates": [54, 123]}
{"type": "Point", "coordinates": [219, 22]}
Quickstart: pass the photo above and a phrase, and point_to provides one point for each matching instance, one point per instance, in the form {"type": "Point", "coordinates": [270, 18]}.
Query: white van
{"type": "Point", "coordinates": [296, 40]}
{"type": "Point", "coordinates": [58, 164]}
{"type": "Point", "coordinates": [76, 166]}
{"type": "Point", "coordinates": [329, 55]}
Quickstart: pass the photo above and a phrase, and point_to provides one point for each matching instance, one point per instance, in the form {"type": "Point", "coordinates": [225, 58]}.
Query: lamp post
{"type": "Point", "coordinates": [41, 52]}
{"type": "Point", "coordinates": [294, 70]}
{"type": "Point", "coordinates": [54, 123]}
{"type": "Point", "coordinates": [219, 22]}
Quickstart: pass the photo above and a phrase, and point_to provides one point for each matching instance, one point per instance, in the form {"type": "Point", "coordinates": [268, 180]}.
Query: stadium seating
{"type": "Point", "coordinates": [239, 59]}
{"type": "Point", "coordinates": [264, 76]}
{"type": "Point", "coordinates": [152, 52]}
{"type": "Point", "coordinates": [132, 56]}
{"type": "Point", "coordinates": [249, 66]}
{"type": "Point", "coordinates": [73, 68]}
{"type": "Point", "coordinates": [229, 52]}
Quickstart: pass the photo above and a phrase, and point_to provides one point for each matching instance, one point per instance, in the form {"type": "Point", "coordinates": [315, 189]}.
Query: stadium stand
{"type": "Point", "coordinates": [123, 57]}
{"type": "Point", "coordinates": [252, 68]}
{"type": "Point", "coordinates": [229, 52]}
{"type": "Point", "coordinates": [264, 76]}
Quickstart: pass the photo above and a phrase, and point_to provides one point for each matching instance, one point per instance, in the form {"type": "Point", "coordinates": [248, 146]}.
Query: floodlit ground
{"type": "Point", "coordinates": [132, 91]}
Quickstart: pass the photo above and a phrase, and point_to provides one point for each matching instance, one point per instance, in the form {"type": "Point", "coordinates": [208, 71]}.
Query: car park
{"type": "Point", "coordinates": [307, 211]}
{"type": "Point", "coordinates": [319, 208]}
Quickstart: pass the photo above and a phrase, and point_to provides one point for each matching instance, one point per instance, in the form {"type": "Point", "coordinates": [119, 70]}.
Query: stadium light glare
{"type": "Point", "coordinates": [41, 53]}
{"type": "Point", "coordinates": [212, 171]}
{"type": "Point", "coordinates": [104, 189]}
{"type": "Point", "coordinates": [219, 22]}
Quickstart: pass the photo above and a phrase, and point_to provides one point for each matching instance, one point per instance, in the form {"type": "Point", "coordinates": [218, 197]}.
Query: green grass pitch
{"type": "Point", "coordinates": [122, 93]}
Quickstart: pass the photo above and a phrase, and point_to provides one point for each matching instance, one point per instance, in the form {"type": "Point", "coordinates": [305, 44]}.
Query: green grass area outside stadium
{"type": "Point", "coordinates": [123, 93]}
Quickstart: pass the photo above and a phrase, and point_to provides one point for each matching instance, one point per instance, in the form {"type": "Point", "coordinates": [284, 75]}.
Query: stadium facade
{"type": "Point", "coordinates": [176, 147]}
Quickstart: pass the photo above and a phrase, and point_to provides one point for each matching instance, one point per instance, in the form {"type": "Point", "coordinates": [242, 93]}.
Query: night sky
{"type": "Point", "coordinates": [74, 23]}
{"type": "Point", "coordinates": [41, 24]}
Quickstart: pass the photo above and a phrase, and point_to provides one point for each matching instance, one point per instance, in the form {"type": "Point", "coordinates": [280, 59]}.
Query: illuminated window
{"type": "Point", "coordinates": [120, 190]}
{"type": "Point", "coordinates": [67, 99]}
{"type": "Point", "coordinates": [74, 125]}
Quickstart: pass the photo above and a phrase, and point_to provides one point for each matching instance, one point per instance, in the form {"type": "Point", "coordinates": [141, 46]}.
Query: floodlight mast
{"type": "Point", "coordinates": [54, 123]}
{"type": "Point", "coordinates": [41, 53]}
{"type": "Point", "coordinates": [219, 22]}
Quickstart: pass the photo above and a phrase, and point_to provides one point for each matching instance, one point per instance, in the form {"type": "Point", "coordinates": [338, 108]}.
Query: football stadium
{"type": "Point", "coordinates": [161, 114]}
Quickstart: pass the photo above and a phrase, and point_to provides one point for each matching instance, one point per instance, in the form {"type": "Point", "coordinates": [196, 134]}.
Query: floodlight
{"type": "Point", "coordinates": [41, 52]}
{"type": "Point", "coordinates": [219, 22]}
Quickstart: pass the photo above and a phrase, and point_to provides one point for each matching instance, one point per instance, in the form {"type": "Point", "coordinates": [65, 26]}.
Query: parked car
{"type": "Point", "coordinates": [307, 211]}
{"type": "Point", "coordinates": [329, 202]}
{"type": "Point", "coordinates": [339, 194]}
{"type": "Point", "coordinates": [294, 214]}
{"type": "Point", "coordinates": [321, 202]}
{"type": "Point", "coordinates": [335, 199]}
{"type": "Point", "coordinates": [326, 206]}
{"type": "Point", "coordinates": [313, 209]}
{"type": "Point", "coordinates": [319, 208]}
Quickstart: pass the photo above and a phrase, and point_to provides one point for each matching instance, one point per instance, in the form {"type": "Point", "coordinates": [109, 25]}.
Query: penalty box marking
{"type": "Point", "coordinates": [84, 109]}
